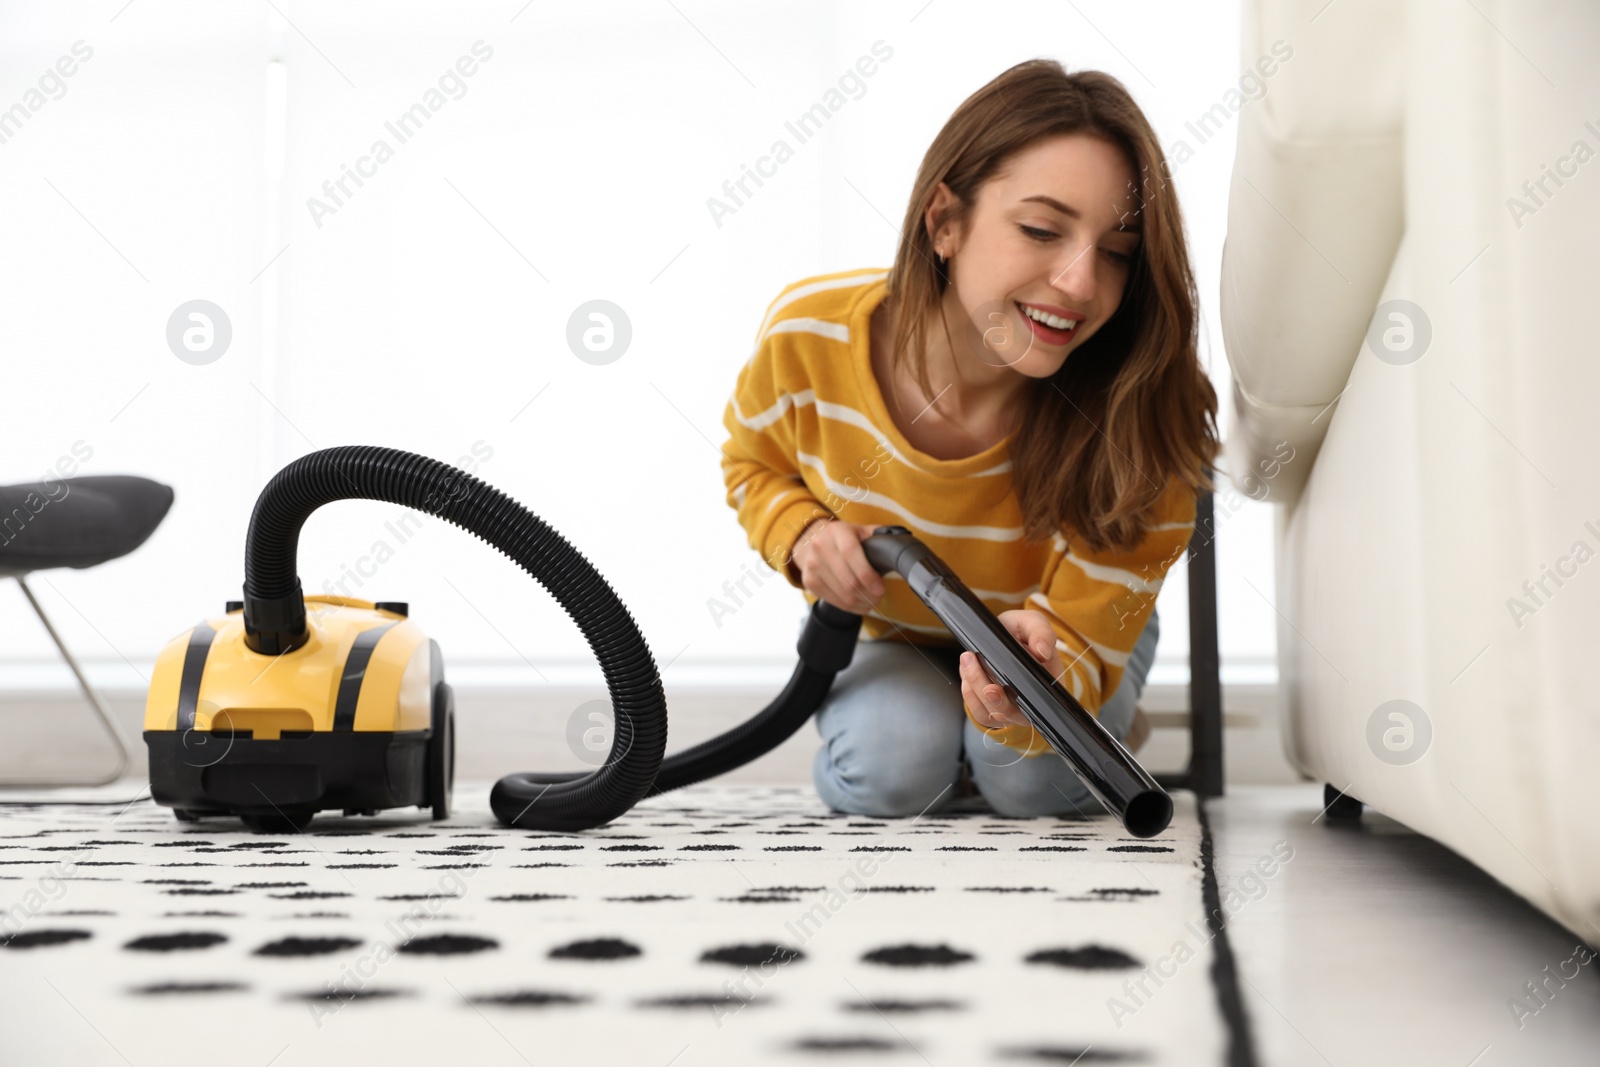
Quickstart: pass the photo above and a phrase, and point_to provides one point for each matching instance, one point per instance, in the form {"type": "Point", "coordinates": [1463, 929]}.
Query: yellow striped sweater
{"type": "Point", "coordinates": [810, 434]}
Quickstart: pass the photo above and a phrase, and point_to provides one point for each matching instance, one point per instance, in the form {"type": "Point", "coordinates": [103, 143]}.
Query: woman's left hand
{"type": "Point", "coordinates": [985, 699]}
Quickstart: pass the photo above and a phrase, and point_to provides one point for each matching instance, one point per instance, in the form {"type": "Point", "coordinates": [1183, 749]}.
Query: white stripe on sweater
{"type": "Point", "coordinates": [761, 420]}
{"type": "Point", "coordinates": [1100, 571]}
{"type": "Point", "coordinates": [1108, 655]}
{"type": "Point", "coordinates": [1121, 575]}
{"type": "Point", "coordinates": [839, 413]}
{"type": "Point", "coordinates": [866, 496]}
{"type": "Point", "coordinates": [802, 291]}
{"type": "Point", "coordinates": [834, 331]}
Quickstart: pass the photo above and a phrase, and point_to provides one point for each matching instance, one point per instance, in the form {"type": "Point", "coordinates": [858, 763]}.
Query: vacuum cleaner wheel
{"type": "Point", "coordinates": [282, 821]}
{"type": "Point", "coordinates": [442, 751]}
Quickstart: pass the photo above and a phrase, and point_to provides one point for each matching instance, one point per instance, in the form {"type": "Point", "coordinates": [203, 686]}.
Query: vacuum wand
{"type": "Point", "coordinates": [1106, 767]}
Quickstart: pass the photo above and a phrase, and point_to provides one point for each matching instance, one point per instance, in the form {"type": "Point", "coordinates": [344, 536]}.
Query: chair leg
{"type": "Point", "coordinates": [101, 712]}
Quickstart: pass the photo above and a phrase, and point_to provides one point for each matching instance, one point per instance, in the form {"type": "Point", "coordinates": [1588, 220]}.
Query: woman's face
{"type": "Point", "coordinates": [1054, 233]}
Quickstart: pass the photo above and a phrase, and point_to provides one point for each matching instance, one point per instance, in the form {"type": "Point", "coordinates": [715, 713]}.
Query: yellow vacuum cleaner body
{"type": "Point", "coordinates": [357, 718]}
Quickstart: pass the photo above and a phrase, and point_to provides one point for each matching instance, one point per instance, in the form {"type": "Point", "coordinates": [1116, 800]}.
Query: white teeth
{"type": "Point", "coordinates": [1053, 321]}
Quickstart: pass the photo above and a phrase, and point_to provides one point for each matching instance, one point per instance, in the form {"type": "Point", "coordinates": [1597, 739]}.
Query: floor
{"type": "Point", "coordinates": [715, 924]}
{"type": "Point", "coordinates": [1369, 944]}
{"type": "Point", "coordinates": [1376, 945]}
{"type": "Point", "coordinates": [1351, 943]}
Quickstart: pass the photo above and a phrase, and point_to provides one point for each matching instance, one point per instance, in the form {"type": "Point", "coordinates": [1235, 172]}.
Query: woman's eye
{"type": "Point", "coordinates": [1121, 258]}
{"type": "Point", "coordinates": [1038, 234]}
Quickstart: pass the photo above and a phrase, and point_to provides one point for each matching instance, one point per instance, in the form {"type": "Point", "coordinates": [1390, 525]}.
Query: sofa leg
{"type": "Point", "coordinates": [1340, 805]}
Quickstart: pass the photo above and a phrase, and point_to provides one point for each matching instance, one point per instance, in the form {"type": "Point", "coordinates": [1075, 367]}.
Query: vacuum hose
{"type": "Point", "coordinates": [275, 623]}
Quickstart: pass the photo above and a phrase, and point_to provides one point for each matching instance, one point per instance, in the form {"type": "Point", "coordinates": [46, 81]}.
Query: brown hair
{"type": "Point", "coordinates": [1130, 410]}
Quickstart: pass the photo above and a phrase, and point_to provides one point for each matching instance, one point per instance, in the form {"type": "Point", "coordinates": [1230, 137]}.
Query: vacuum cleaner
{"type": "Point", "coordinates": [286, 704]}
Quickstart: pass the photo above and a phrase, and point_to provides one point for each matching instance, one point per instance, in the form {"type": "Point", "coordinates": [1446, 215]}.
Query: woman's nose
{"type": "Point", "coordinates": [1075, 275]}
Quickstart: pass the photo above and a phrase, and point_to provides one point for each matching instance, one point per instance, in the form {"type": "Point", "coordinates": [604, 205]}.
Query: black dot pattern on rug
{"type": "Point", "coordinates": [1052, 848]}
{"type": "Point", "coordinates": [1008, 889]}
{"type": "Point", "coordinates": [596, 948]}
{"type": "Point", "coordinates": [701, 1000]}
{"type": "Point", "coordinates": [530, 998]}
{"type": "Point", "coordinates": [345, 996]}
{"type": "Point", "coordinates": [1072, 1054]}
{"type": "Point", "coordinates": [447, 945]}
{"type": "Point", "coordinates": [1138, 848]}
{"type": "Point", "coordinates": [185, 941]}
{"type": "Point", "coordinates": [1087, 958]}
{"type": "Point", "coordinates": [162, 989]}
{"type": "Point", "coordinates": [206, 914]}
{"type": "Point", "coordinates": [306, 946]}
{"type": "Point", "coordinates": [520, 898]}
{"type": "Point", "coordinates": [917, 956]}
{"type": "Point", "coordinates": [902, 1007]}
{"type": "Point", "coordinates": [900, 889]}
{"type": "Point", "coordinates": [844, 1044]}
{"type": "Point", "coordinates": [753, 955]}
{"type": "Point", "coordinates": [360, 866]}
{"type": "Point", "coordinates": [43, 938]}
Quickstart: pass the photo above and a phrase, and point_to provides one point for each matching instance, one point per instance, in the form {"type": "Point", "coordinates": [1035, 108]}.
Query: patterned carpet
{"type": "Point", "coordinates": [713, 925]}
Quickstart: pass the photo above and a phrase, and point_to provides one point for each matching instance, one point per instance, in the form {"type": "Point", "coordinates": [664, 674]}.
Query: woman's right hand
{"type": "Point", "coordinates": [834, 566]}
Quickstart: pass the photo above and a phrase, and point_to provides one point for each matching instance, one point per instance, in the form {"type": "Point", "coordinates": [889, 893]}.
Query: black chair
{"type": "Point", "coordinates": [76, 522]}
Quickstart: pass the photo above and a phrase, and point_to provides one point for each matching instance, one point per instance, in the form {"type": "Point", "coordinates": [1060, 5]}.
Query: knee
{"type": "Point", "coordinates": [885, 783]}
{"type": "Point", "coordinates": [1018, 798]}
{"type": "Point", "coordinates": [1026, 787]}
{"type": "Point", "coordinates": [1010, 795]}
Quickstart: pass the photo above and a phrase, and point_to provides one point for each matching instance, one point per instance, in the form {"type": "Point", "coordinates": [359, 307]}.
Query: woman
{"type": "Point", "coordinates": [1022, 390]}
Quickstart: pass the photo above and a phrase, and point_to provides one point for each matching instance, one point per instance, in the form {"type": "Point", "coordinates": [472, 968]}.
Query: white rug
{"type": "Point", "coordinates": [712, 925]}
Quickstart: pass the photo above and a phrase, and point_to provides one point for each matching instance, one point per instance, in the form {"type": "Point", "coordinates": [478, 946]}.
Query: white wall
{"type": "Point", "coordinates": [429, 311]}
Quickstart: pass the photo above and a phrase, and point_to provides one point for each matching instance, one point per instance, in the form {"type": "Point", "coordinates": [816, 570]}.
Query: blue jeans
{"type": "Point", "coordinates": [894, 735]}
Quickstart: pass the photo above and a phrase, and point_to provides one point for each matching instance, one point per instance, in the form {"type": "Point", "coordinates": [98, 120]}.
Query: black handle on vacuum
{"type": "Point", "coordinates": [1098, 758]}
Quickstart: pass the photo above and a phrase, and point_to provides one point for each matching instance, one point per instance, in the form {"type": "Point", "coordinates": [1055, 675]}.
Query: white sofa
{"type": "Point", "coordinates": [1439, 525]}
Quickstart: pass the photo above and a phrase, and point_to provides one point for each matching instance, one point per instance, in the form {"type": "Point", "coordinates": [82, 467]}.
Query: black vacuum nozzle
{"type": "Point", "coordinates": [1097, 757]}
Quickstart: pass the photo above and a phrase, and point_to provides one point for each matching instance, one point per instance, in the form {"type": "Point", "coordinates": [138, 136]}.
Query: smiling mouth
{"type": "Point", "coordinates": [1049, 327]}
